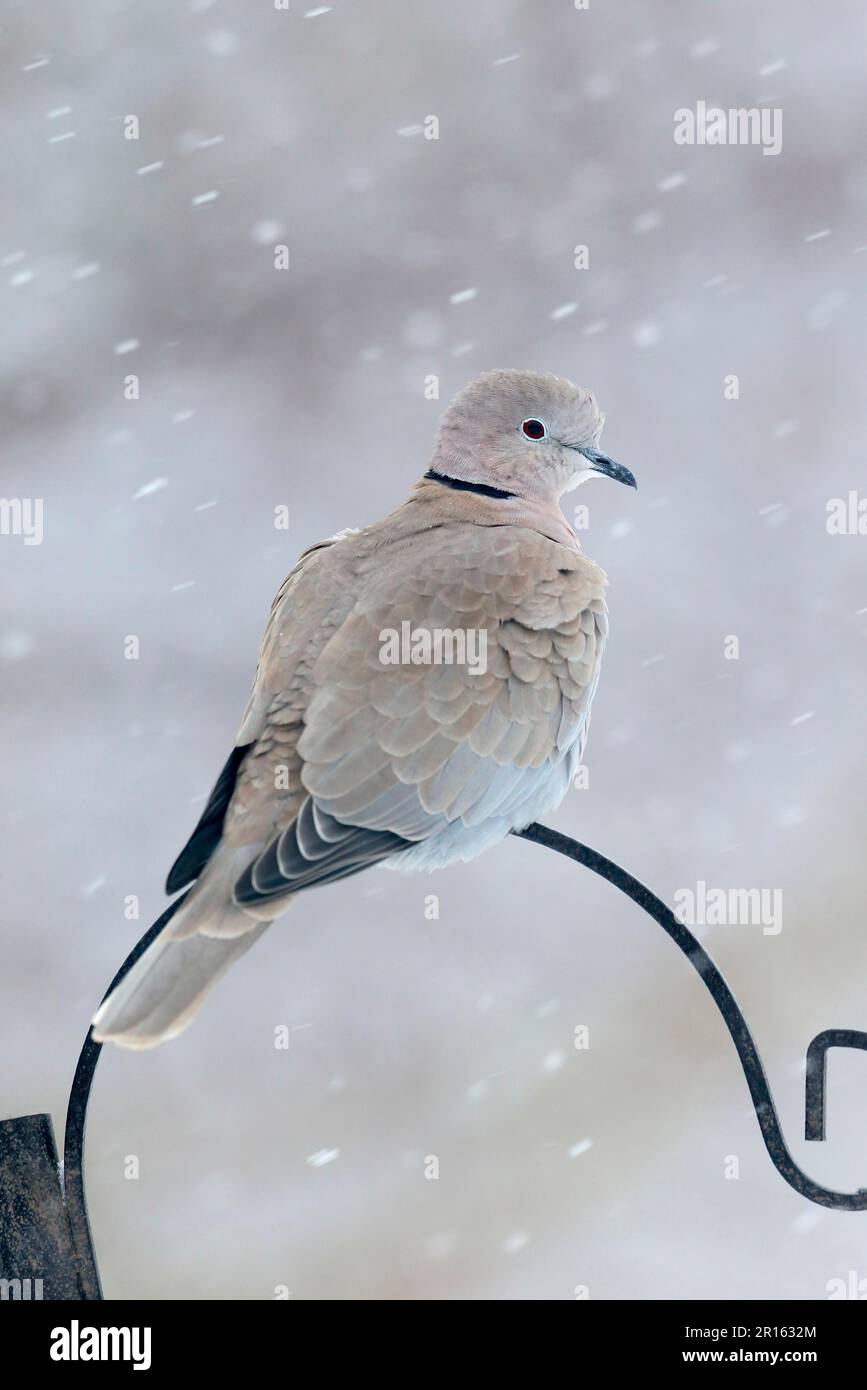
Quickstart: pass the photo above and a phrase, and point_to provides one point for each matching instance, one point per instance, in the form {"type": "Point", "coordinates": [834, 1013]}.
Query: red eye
{"type": "Point", "coordinates": [534, 429]}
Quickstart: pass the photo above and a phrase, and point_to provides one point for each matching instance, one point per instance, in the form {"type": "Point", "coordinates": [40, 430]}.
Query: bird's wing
{"type": "Point", "coordinates": [313, 597]}
{"type": "Point", "coordinates": [381, 756]}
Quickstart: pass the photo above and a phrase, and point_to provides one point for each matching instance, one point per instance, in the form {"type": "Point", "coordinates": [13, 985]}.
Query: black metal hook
{"type": "Point", "coordinates": [76, 1118]}
{"type": "Point", "coordinates": [817, 1067]}
{"type": "Point", "coordinates": [683, 938]}
{"type": "Point", "coordinates": [741, 1036]}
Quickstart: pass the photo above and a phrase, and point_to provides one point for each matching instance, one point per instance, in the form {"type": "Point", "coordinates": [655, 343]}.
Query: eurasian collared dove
{"type": "Point", "coordinates": [356, 749]}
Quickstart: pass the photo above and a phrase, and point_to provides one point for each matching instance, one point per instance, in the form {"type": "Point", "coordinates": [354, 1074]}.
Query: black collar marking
{"type": "Point", "coordinates": [460, 485]}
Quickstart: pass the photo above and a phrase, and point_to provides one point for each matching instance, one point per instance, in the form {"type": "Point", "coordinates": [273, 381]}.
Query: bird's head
{"type": "Point", "coordinates": [527, 434]}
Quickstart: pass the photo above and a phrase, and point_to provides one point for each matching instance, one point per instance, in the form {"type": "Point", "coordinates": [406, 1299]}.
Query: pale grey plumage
{"type": "Point", "coordinates": [341, 761]}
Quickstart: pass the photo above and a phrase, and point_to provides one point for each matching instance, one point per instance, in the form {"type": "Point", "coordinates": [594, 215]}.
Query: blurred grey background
{"type": "Point", "coordinates": [559, 1168]}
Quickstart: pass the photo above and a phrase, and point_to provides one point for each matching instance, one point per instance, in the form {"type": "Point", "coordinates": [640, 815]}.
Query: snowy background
{"type": "Point", "coordinates": [454, 1038]}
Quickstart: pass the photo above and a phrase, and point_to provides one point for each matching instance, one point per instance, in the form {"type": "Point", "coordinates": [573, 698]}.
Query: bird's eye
{"type": "Point", "coordinates": [534, 429]}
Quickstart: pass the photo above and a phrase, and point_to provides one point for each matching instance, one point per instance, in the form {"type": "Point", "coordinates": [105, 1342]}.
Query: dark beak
{"type": "Point", "coordinates": [600, 463]}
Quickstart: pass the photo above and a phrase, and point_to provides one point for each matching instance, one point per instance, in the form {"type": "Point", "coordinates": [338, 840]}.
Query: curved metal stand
{"type": "Point", "coordinates": [695, 953]}
{"type": "Point", "coordinates": [76, 1117]}
{"type": "Point", "coordinates": [817, 1066]}
{"type": "Point", "coordinates": [735, 1022]}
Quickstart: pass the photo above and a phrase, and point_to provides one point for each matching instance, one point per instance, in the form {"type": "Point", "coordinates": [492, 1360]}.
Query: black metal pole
{"type": "Point", "coordinates": [76, 1117]}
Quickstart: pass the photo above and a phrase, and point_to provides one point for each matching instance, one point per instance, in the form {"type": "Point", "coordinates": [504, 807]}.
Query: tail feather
{"type": "Point", "coordinates": [163, 991]}
{"type": "Point", "coordinates": [166, 987]}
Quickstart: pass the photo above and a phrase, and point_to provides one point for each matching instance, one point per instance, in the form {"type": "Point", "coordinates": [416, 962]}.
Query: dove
{"type": "Point", "coordinates": [356, 749]}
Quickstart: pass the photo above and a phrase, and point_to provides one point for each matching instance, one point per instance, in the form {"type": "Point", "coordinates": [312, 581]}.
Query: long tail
{"type": "Point", "coordinates": [167, 986]}
{"type": "Point", "coordinates": [162, 993]}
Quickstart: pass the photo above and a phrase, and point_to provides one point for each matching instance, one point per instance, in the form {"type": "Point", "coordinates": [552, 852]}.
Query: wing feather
{"type": "Point", "coordinates": [392, 755]}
